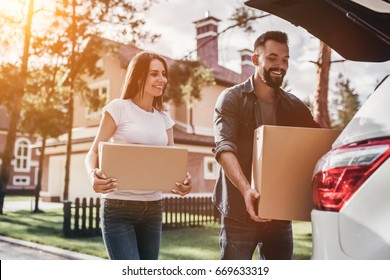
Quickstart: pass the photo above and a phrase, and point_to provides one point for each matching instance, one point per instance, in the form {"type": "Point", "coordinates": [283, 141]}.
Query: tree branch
{"type": "Point", "coordinates": [337, 61]}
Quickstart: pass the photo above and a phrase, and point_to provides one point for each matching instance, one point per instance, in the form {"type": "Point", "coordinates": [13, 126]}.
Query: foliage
{"type": "Point", "coordinates": [16, 108]}
{"type": "Point", "coordinates": [93, 100]}
{"type": "Point", "coordinates": [74, 40]}
{"type": "Point", "coordinates": [346, 101]}
{"type": "Point", "coordinates": [9, 80]}
{"type": "Point", "coordinates": [43, 111]}
{"type": "Point", "coordinates": [243, 16]}
{"type": "Point", "coordinates": [119, 20]}
{"type": "Point", "coordinates": [186, 80]}
{"type": "Point", "coordinates": [309, 103]}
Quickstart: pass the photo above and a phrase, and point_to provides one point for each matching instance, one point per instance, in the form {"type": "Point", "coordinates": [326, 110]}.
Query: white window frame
{"type": "Point", "coordinates": [99, 86]}
{"type": "Point", "coordinates": [21, 180]}
{"type": "Point", "coordinates": [23, 157]}
{"type": "Point", "coordinates": [207, 174]}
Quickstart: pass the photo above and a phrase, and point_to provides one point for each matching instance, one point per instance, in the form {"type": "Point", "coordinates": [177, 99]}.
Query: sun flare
{"type": "Point", "coordinates": [17, 9]}
{"type": "Point", "coordinates": [10, 8]}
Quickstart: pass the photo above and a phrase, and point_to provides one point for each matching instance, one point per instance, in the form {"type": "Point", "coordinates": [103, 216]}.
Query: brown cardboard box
{"type": "Point", "coordinates": [284, 159]}
{"type": "Point", "coordinates": [141, 167]}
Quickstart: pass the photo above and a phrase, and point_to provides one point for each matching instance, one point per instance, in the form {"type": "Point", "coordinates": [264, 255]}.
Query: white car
{"type": "Point", "coordinates": [351, 183]}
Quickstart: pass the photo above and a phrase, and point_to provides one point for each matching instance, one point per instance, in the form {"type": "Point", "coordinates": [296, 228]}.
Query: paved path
{"type": "Point", "coordinates": [15, 249]}
{"type": "Point", "coordinates": [29, 205]}
{"type": "Point", "coordinates": [11, 251]}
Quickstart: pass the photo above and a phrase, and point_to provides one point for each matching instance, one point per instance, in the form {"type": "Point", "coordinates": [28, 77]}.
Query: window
{"type": "Point", "coordinates": [22, 155]}
{"type": "Point", "coordinates": [21, 181]}
{"type": "Point", "coordinates": [96, 98]}
{"type": "Point", "coordinates": [211, 168]}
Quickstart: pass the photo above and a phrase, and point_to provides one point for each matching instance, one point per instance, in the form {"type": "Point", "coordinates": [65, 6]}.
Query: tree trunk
{"type": "Point", "coordinates": [69, 145]}
{"type": "Point", "coordinates": [321, 112]}
{"type": "Point", "coordinates": [39, 183]}
{"type": "Point", "coordinates": [192, 119]}
{"type": "Point", "coordinates": [16, 108]}
{"type": "Point", "coordinates": [70, 105]}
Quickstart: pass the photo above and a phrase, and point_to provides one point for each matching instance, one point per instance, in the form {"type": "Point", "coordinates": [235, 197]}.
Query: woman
{"type": "Point", "coordinates": [132, 220]}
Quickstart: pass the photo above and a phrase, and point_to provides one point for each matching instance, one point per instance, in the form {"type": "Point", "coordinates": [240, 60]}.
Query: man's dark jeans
{"type": "Point", "coordinates": [238, 240]}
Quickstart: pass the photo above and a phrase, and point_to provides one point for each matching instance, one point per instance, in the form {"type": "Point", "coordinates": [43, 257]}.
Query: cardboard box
{"type": "Point", "coordinates": [141, 167]}
{"type": "Point", "coordinates": [284, 159]}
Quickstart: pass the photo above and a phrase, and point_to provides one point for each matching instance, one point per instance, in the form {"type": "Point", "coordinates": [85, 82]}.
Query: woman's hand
{"type": "Point", "coordinates": [100, 182]}
{"type": "Point", "coordinates": [183, 188]}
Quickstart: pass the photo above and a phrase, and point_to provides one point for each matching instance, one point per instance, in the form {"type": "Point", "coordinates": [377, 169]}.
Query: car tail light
{"type": "Point", "coordinates": [340, 172]}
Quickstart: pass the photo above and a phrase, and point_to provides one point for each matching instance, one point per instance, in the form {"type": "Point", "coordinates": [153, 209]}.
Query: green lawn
{"type": "Point", "coordinates": [19, 198]}
{"type": "Point", "coordinates": [178, 244]}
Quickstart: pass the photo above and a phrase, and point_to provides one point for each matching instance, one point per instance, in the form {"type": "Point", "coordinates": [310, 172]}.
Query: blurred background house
{"type": "Point", "coordinates": [24, 172]}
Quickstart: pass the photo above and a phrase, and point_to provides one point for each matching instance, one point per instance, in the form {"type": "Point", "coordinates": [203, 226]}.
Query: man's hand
{"type": "Point", "coordinates": [250, 197]}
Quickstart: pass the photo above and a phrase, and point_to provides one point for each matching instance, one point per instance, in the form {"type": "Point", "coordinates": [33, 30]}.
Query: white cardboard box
{"type": "Point", "coordinates": [141, 167]}
{"type": "Point", "coordinates": [284, 159]}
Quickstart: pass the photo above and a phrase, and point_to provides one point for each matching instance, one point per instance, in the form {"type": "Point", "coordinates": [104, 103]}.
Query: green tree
{"type": "Point", "coordinates": [186, 80]}
{"type": "Point", "coordinates": [321, 100]}
{"type": "Point", "coordinates": [8, 84]}
{"type": "Point", "coordinates": [43, 113]}
{"type": "Point", "coordinates": [16, 107]}
{"type": "Point", "coordinates": [69, 39]}
{"type": "Point", "coordinates": [77, 29]}
{"type": "Point", "coordinates": [346, 101]}
{"type": "Point", "coordinates": [308, 103]}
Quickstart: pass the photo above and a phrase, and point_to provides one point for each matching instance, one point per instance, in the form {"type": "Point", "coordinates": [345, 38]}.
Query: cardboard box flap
{"type": "Point", "coordinates": [284, 159]}
{"type": "Point", "coordinates": [142, 167]}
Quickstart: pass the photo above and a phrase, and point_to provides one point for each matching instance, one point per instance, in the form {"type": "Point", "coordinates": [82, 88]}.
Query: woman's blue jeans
{"type": "Point", "coordinates": [238, 240]}
{"type": "Point", "coordinates": [131, 229]}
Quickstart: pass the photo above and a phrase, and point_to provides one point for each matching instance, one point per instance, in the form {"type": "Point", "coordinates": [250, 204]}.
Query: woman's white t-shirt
{"type": "Point", "coordinates": [136, 126]}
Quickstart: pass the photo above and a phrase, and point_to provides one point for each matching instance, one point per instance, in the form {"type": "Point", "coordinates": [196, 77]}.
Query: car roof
{"type": "Point", "coordinates": [359, 32]}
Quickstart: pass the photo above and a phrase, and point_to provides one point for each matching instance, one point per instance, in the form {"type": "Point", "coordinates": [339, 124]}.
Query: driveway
{"type": "Point", "coordinates": [15, 249]}
{"type": "Point", "coordinates": [11, 251]}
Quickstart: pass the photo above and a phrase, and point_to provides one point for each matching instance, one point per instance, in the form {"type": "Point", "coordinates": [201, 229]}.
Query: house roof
{"type": "Point", "coordinates": [223, 75]}
{"type": "Point", "coordinates": [182, 137]}
{"type": "Point", "coordinates": [227, 77]}
{"type": "Point", "coordinates": [127, 52]}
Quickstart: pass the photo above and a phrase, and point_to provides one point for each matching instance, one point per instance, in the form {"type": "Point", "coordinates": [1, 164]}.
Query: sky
{"type": "Point", "coordinates": [173, 19]}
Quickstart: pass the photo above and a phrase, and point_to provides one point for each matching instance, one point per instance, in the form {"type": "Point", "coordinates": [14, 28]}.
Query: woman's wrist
{"type": "Point", "coordinates": [91, 172]}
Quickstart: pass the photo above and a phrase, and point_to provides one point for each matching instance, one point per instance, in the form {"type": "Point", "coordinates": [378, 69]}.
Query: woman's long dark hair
{"type": "Point", "coordinates": [137, 72]}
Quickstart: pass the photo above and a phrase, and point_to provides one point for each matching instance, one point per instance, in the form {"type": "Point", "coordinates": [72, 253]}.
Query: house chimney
{"type": "Point", "coordinates": [247, 67]}
{"type": "Point", "coordinates": [207, 40]}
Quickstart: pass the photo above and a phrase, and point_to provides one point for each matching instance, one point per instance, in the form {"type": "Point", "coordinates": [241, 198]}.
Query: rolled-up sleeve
{"type": "Point", "coordinates": [226, 123]}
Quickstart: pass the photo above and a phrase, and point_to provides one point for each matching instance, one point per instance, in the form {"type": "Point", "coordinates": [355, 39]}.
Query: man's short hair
{"type": "Point", "coordinates": [277, 36]}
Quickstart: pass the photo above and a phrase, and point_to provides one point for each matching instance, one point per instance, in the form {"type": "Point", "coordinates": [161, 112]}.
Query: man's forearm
{"type": "Point", "coordinates": [233, 171]}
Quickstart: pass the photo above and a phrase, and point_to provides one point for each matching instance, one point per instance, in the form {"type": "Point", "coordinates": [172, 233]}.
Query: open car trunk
{"type": "Point", "coordinates": [354, 31]}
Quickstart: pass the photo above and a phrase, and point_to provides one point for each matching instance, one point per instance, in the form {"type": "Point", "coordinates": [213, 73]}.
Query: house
{"type": "Point", "coordinates": [24, 167]}
{"type": "Point", "coordinates": [198, 139]}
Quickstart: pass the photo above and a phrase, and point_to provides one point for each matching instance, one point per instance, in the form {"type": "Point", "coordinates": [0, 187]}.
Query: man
{"type": "Point", "coordinates": [238, 112]}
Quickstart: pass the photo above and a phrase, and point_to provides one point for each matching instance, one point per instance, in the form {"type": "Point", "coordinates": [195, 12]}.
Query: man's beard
{"type": "Point", "coordinates": [274, 83]}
